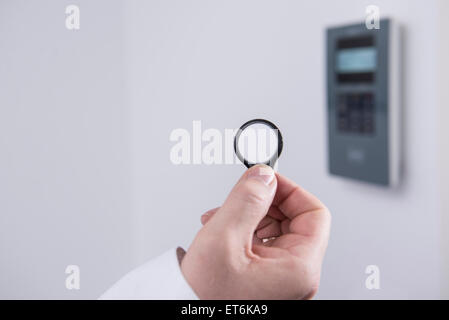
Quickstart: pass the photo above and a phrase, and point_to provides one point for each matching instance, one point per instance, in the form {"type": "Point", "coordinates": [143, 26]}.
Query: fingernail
{"type": "Point", "coordinates": [263, 173]}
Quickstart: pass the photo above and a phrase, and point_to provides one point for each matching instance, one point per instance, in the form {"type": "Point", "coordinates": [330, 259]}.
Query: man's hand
{"type": "Point", "coordinates": [267, 241]}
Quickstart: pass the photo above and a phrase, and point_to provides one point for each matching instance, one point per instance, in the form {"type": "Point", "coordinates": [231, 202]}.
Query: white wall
{"type": "Point", "coordinates": [229, 61]}
{"type": "Point", "coordinates": [64, 146]}
{"type": "Point", "coordinates": [443, 134]}
{"type": "Point", "coordinates": [85, 118]}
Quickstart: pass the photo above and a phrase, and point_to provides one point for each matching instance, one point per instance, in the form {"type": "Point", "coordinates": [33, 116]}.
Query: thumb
{"type": "Point", "coordinates": [247, 203]}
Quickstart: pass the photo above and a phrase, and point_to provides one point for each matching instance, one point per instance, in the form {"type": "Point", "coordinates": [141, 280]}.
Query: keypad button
{"type": "Point", "coordinates": [355, 113]}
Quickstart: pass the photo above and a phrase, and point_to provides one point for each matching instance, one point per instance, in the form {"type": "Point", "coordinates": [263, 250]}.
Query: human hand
{"type": "Point", "coordinates": [231, 258]}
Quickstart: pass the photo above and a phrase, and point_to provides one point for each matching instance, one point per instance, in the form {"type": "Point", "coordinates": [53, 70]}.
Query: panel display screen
{"type": "Point", "coordinates": [357, 60]}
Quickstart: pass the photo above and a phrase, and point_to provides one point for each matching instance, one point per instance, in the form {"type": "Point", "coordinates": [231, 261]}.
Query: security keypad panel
{"type": "Point", "coordinates": [363, 92]}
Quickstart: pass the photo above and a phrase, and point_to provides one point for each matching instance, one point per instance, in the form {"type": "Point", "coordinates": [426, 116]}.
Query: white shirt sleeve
{"type": "Point", "coordinates": [160, 278]}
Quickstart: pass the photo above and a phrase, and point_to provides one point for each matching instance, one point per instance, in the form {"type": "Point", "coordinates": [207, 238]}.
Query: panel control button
{"type": "Point", "coordinates": [355, 113]}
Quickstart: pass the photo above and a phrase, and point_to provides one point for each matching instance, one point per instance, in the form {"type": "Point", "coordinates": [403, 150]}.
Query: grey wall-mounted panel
{"type": "Point", "coordinates": [364, 102]}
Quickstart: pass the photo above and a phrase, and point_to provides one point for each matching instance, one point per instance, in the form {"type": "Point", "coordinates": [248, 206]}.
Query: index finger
{"type": "Point", "coordinates": [308, 215]}
{"type": "Point", "coordinates": [293, 200]}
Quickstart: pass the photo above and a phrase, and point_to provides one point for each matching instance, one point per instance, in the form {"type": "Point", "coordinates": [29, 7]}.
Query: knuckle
{"type": "Point", "coordinates": [326, 213]}
{"type": "Point", "coordinates": [252, 194]}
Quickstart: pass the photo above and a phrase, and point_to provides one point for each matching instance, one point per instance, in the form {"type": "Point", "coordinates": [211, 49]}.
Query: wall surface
{"type": "Point", "coordinates": [64, 145]}
{"type": "Point", "coordinates": [443, 134]}
{"type": "Point", "coordinates": [230, 61]}
{"type": "Point", "coordinates": [85, 120]}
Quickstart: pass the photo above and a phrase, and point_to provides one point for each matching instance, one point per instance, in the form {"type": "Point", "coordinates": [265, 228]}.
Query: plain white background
{"type": "Point", "coordinates": [85, 119]}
